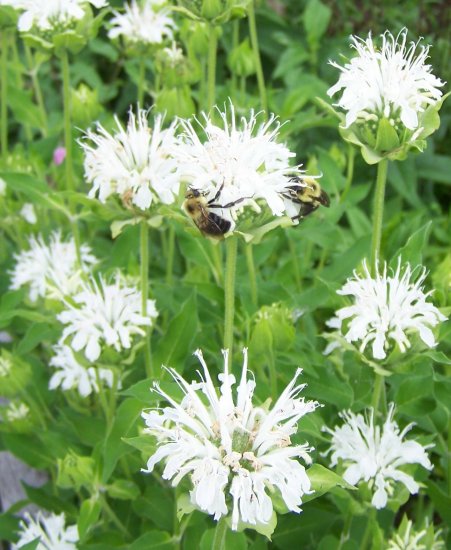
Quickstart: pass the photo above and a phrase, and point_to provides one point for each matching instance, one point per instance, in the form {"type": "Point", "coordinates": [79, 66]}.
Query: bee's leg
{"type": "Point", "coordinates": [229, 204]}
{"type": "Point", "coordinates": [291, 198]}
{"type": "Point", "coordinates": [216, 197]}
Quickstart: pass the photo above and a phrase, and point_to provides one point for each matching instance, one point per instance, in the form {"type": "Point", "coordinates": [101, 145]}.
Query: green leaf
{"type": "Point", "coordinates": [412, 251]}
{"type": "Point", "coordinates": [28, 449]}
{"type": "Point", "coordinates": [9, 525]}
{"type": "Point", "coordinates": [414, 396]}
{"type": "Point", "coordinates": [89, 514]}
{"type": "Point", "coordinates": [123, 489]}
{"type": "Point", "coordinates": [125, 423]}
{"type": "Point", "coordinates": [68, 40]}
{"type": "Point", "coordinates": [144, 443]}
{"type": "Point", "coordinates": [35, 335]}
{"type": "Point", "coordinates": [323, 481]}
{"type": "Point", "coordinates": [316, 20]}
{"type": "Point", "coordinates": [177, 341]}
{"type": "Point", "coordinates": [35, 190]}
{"type": "Point", "coordinates": [157, 505]}
{"type": "Point", "coordinates": [153, 540]}
{"type": "Point", "coordinates": [45, 498]}
{"type": "Point", "coordinates": [387, 138]}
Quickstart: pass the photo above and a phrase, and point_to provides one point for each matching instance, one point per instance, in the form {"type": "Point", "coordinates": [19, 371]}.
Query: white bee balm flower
{"type": "Point", "coordinates": [374, 454]}
{"type": "Point", "coordinates": [108, 314]}
{"type": "Point", "coordinates": [50, 270]}
{"type": "Point", "coordinates": [387, 307]}
{"type": "Point", "coordinates": [135, 163]}
{"type": "Point", "coordinates": [148, 22]}
{"type": "Point", "coordinates": [50, 530]}
{"type": "Point", "coordinates": [393, 81]}
{"type": "Point", "coordinates": [70, 374]}
{"type": "Point", "coordinates": [53, 14]}
{"type": "Point", "coordinates": [235, 453]}
{"type": "Point", "coordinates": [237, 163]}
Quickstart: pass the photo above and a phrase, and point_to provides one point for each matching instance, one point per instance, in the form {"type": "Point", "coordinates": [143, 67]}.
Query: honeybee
{"type": "Point", "coordinates": [307, 193]}
{"type": "Point", "coordinates": [199, 210]}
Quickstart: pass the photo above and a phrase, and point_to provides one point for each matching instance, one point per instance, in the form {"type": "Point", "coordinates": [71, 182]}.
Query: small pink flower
{"type": "Point", "coordinates": [59, 154]}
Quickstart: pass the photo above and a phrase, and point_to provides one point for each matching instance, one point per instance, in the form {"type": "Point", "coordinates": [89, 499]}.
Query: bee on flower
{"type": "Point", "coordinates": [238, 168]}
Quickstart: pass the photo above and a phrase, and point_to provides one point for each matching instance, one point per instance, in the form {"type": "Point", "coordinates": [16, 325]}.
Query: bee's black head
{"type": "Point", "coordinates": [192, 193]}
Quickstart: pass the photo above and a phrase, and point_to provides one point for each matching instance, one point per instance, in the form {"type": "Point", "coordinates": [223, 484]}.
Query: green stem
{"type": "Point", "coordinates": [294, 257]}
{"type": "Point", "coordinates": [229, 294]}
{"type": "Point", "coordinates": [103, 401]}
{"type": "Point", "coordinates": [252, 276]}
{"type": "Point", "coordinates": [369, 528]}
{"type": "Point", "coordinates": [170, 257]}
{"type": "Point", "coordinates": [113, 517]}
{"type": "Point", "coordinates": [349, 173]}
{"type": "Point", "coordinates": [76, 236]}
{"type": "Point", "coordinates": [67, 120]}
{"type": "Point", "coordinates": [378, 214]}
{"type": "Point", "coordinates": [141, 81]}
{"type": "Point", "coordinates": [377, 390]}
{"type": "Point", "coordinates": [211, 69]}
{"type": "Point", "coordinates": [220, 535]}
{"type": "Point", "coordinates": [144, 293]}
{"type": "Point", "coordinates": [4, 92]}
{"type": "Point", "coordinates": [33, 72]}
{"type": "Point", "coordinates": [449, 458]}
{"type": "Point", "coordinates": [272, 375]}
{"type": "Point", "coordinates": [235, 44]}
{"type": "Point", "coordinates": [258, 63]}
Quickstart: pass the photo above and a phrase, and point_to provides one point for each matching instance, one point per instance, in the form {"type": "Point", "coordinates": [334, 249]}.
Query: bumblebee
{"type": "Point", "coordinates": [199, 210]}
{"type": "Point", "coordinates": [307, 193]}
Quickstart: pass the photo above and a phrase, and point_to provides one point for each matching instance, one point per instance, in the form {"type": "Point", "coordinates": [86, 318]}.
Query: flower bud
{"type": "Point", "coordinates": [273, 329]}
{"type": "Point", "coordinates": [175, 102]}
{"type": "Point", "coordinates": [75, 471]}
{"type": "Point", "coordinates": [85, 105]}
{"type": "Point", "coordinates": [241, 59]}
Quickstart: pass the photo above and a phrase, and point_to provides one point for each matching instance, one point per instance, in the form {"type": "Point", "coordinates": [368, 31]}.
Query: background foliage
{"type": "Point", "coordinates": [94, 462]}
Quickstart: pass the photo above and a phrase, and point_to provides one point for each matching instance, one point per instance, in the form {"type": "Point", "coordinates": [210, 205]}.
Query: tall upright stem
{"type": "Point", "coordinates": [235, 44]}
{"type": "Point", "coordinates": [211, 69]}
{"type": "Point", "coordinates": [33, 72]}
{"type": "Point", "coordinates": [349, 172]}
{"type": "Point", "coordinates": [229, 294]}
{"type": "Point", "coordinates": [67, 120]}
{"type": "Point", "coordinates": [170, 256]}
{"type": "Point", "coordinates": [252, 276]}
{"type": "Point", "coordinates": [378, 215]}
{"type": "Point", "coordinates": [258, 62]}
{"type": "Point", "coordinates": [141, 81]}
{"type": "Point", "coordinates": [4, 94]}
{"type": "Point", "coordinates": [220, 535]}
{"type": "Point", "coordinates": [144, 238]}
